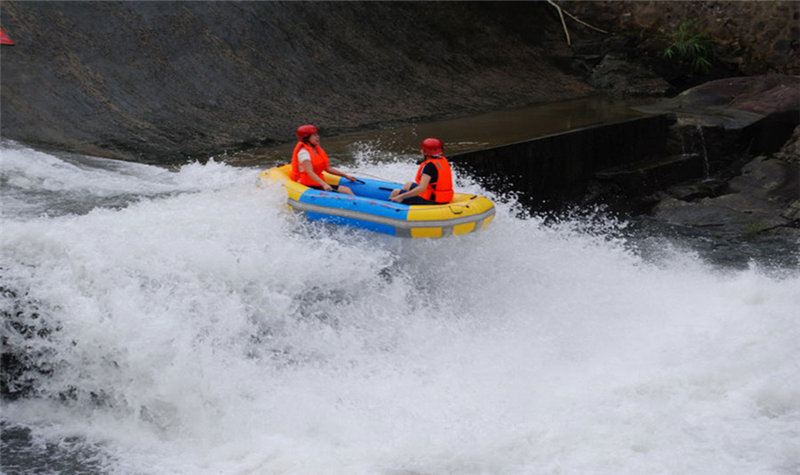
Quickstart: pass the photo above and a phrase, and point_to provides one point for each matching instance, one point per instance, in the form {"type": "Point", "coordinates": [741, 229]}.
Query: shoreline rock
{"type": "Point", "coordinates": [733, 159]}
{"type": "Point", "coordinates": [764, 198]}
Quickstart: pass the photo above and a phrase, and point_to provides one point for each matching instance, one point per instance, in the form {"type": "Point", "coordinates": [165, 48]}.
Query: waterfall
{"type": "Point", "coordinates": [706, 167]}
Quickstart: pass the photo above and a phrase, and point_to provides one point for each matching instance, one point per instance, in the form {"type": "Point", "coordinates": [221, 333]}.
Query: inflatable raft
{"type": "Point", "coordinates": [371, 209]}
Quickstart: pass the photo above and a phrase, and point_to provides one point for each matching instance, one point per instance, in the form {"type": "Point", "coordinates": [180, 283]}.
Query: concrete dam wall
{"type": "Point", "coordinates": [162, 82]}
{"type": "Point", "coordinates": [635, 156]}
{"type": "Point", "coordinates": [559, 165]}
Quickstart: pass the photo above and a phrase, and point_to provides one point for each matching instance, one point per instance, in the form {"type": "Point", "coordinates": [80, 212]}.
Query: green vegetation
{"type": "Point", "coordinates": [757, 227]}
{"type": "Point", "coordinates": [690, 47]}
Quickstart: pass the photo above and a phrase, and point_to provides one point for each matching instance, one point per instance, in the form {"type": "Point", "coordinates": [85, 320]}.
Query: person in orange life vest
{"type": "Point", "coordinates": [434, 181]}
{"type": "Point", "coordinates": [309, 160]}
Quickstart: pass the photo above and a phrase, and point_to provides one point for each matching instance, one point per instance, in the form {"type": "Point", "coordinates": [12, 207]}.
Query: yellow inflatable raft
{"type": "Point", "coordinates": [371, 209]}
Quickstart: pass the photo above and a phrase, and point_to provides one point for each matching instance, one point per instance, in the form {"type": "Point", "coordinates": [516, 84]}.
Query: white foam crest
{"type": "Point", "coordinates": [225, 334]}
{"type": "Point", "coordinates": [27, 168]}
{"type": "Point", "coordinates": [31, 169]}
{"type": "Point", "coordinates": [37, 183]}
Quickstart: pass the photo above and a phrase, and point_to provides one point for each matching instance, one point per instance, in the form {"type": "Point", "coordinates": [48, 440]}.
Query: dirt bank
{"type": "Point", "coordinates": [161, 81]}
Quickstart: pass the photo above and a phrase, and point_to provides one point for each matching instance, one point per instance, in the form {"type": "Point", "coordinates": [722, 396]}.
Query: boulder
{"type": "Point", "coordinates": [733, 103]}
{"type": "Point", "coordinates": [765, 197]}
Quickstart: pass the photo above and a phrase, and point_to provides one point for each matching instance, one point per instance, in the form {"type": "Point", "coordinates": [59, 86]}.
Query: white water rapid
{"type": "Point", "coordinates": [195, 326]}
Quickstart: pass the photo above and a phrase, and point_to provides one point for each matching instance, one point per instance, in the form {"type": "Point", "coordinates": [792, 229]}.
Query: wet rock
{"type": "Point", "coordinates": [708, 188]}
{"type": "Point", "coordinates": [726, 120]}
{"type": "Point", "coordinates": [653, 174]}
{"type": "Point", "coordinates": [764, 177]}
{"type": "Point", "coordinates": [26, 336]}
{"type": "Point", "coordinates": [620, 77]}
{"type": "Point", "coordinates": [733, 103]}
{"type": "Point", "coordinates": [765, 95]}
{"type": "Point", "coordinates": [729, 214]}
{"type": "Point", "coordinates": [792, 212]}
{"type": "Point", "coordinates": [763, 198]}
{"type": "Point", "coordinates": [791, 150]}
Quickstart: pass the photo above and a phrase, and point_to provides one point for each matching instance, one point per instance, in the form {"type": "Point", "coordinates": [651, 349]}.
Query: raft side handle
{"type": "Point", "coordinates": [456, 209]}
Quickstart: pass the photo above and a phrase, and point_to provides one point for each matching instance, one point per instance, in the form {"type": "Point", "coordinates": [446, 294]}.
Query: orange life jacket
{"type": "Point", "coordinates": [319, 162]}
{"type": "Point", "coordinates": [440, 191]}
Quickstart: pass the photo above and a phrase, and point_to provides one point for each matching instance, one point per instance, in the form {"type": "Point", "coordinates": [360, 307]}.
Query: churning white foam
{"type": "Point", "coordinates": [204, 328]}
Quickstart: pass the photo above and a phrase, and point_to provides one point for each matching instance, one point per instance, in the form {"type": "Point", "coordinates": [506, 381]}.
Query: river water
{"type": "Point", "coordinates": [183, 321]}
{"type": "Point", "coordinates": [461, 134]}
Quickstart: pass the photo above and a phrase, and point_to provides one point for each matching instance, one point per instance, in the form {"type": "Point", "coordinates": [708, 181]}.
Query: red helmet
{"type": "Point", "coordinates": [306, 131]}
{"type": "Point", "coordinates": [432, 146]}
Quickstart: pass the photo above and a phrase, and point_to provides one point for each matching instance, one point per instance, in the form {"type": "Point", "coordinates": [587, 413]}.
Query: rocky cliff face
{"type": "Point", "coordinates": [161, 81]}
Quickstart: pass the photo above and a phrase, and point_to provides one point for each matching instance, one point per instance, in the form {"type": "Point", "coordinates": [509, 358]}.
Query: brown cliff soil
{"type": "Point", "coordinates": [165, 81]}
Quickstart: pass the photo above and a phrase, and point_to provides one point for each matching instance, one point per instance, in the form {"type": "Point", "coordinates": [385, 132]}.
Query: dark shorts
{"type": "Point", "coordinates": [416, 200]}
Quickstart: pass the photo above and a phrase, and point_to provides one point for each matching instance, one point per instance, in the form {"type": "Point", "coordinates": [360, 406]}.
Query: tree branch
{"type": "Point", "coordinates": [561, 14]}
{"type": "Point", "coordinates": [563, 23]}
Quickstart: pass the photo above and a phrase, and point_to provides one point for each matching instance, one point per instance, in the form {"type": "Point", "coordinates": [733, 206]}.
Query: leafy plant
{"type": "Point", "coordinates": [690, 47]}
